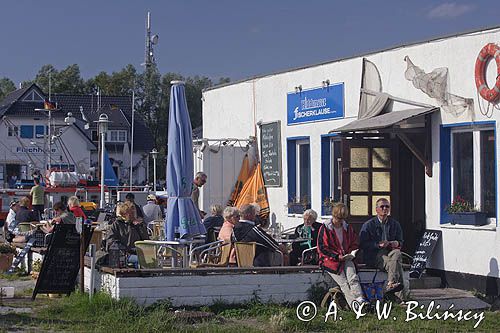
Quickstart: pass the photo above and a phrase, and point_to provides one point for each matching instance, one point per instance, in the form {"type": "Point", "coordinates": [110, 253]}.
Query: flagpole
{"type": "Point", "coordinates": [132, 141]}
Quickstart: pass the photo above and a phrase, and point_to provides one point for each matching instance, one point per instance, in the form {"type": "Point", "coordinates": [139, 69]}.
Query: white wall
{"type": "Point", "coordinates": [11, 148]}
{"type": "Point", "coordinates": [234, 109]}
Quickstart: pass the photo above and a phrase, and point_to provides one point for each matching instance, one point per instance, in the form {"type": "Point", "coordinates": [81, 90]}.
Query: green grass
{"type": "Point", "coordinates": [77, 313]}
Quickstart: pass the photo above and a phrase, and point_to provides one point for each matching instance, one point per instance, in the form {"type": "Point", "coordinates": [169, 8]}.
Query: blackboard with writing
{"type": "Point", "coordinates": [61, 263]}
{"type": "Point", "coordinates": [270, 141]}
{"type": "Point", "coordinates": [424, 251]}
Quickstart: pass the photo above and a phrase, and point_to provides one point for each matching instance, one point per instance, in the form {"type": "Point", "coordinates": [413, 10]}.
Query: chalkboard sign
{"type": "Point", "coordinates": [270, 142]}
{"type": "Point", "coordinates": [424, 251]}
{"type": "Point", "coordinates": [61, 263]}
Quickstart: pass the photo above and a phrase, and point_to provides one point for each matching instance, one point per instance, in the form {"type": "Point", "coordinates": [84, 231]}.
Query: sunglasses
{"type": "Point", "coordinates": [384, 206]}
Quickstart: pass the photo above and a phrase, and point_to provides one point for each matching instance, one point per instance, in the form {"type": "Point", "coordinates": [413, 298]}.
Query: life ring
{"type": "Point", "coordinates": [490, 50]}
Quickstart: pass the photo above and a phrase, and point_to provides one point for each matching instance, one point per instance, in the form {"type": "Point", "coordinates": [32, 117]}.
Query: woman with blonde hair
{"type": "Point", "coordinates": [231, 218]}
{"type": "Point", "coordinates": [336, 241]}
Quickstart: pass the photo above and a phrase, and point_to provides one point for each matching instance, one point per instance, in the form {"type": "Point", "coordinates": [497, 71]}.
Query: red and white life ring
{"type": "Point", "coordinates": [490, 50]}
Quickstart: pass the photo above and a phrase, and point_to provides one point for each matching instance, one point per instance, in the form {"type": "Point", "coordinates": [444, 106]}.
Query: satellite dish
{"type": "Point", "coordinates": [154, 39]}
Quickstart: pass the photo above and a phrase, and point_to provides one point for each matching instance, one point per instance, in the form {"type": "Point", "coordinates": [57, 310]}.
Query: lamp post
{"type": "Point", "coordinates": [154, 154]}
{"type": "Point", "coordinates": [103, 128]}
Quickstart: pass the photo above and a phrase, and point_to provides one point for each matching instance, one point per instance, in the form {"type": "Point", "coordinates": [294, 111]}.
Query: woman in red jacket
{"type": "Point", "coordinates": [74, 207]}
{"type": "Point", "coordinates": [336, 241]}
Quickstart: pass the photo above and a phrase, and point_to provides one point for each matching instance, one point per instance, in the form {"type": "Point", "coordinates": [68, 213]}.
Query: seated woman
{"type": "Point", "coordinates": [231, 218]}
{"type": "Point", "coordinates": [213, 221]}
{"type": "Point", "coordinates": [62, 217]}
{"type": "Point", "coordinates": [75, 208]}
{"type": "Point", "coordinates": [127, 229]}
{"type": "Point", "coordinates": [309, 229]}
{"type": "Point", "coordinates": [336, 240]}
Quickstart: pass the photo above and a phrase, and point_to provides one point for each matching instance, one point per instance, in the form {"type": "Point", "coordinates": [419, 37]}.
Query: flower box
{"type": "Point", "coordinates": [326, 209]}
{"type": "Point", "coordinates": [468, 218]}
{"type": "Point", "coordinates": [297, 208]}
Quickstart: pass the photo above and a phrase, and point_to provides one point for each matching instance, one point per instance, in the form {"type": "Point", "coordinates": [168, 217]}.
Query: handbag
{"type": "Point", "coordinates": [373, 291]}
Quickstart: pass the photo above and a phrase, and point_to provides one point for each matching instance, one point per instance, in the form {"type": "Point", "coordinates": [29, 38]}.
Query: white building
{"type": "Point", "coordinates": [426, 137]}
{"type": "Point", "coordinates": [24, 132]}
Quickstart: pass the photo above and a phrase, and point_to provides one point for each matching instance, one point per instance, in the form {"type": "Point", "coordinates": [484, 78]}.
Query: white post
{"type": "Point", "coordinates": [103, 136]}
{"type": "Point", "coordinates": [132, 141]}
{"type": "Point", "coordinates": [50, 142]}
{"type": "Point", "coordinates": [154, 173]}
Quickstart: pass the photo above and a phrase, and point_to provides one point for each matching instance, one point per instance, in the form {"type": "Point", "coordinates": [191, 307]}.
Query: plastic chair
{"type": "Point", "coordinates": [245, 253]}
{"type": "Point", "coordinates": [146, 254]}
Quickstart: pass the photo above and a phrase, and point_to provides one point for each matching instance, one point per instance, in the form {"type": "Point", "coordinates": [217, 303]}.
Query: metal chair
{"type": "Point", "coordinates": [315, 248]}
{"type": "Point", "coordinates": [203, 252]}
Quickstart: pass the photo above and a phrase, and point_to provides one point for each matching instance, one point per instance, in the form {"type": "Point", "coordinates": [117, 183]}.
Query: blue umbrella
{"type": "Point", "coordinates": [182, 214]}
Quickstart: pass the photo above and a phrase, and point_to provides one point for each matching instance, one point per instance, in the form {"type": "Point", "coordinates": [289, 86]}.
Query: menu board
{"type": "Point", "coordinates": [424, 251]}
{"type": "Point", "coordinates": [270, 142]}
{"type": "Point", "coordinates": [61, 263]}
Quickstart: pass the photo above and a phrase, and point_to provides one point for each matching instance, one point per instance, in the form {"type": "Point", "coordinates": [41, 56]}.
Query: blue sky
{"type": "Point", "coordinates": [215, 38]}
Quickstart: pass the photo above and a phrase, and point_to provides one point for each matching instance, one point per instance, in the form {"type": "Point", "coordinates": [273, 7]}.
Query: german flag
{"type": "Point", "coordinates": [48, 105]}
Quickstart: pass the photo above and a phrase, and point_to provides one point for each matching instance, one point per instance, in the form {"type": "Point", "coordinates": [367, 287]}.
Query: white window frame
{"type": "Point", "coordinates": [335, 164]}
{"type": "Point", "coordinates": [110, 133]}
{"type": "Point", "coordinates": [476, 156]}
{"type": "Point", "coordinates": [299, 143]}
{"type": "Point", "coordinates": [32, 97]}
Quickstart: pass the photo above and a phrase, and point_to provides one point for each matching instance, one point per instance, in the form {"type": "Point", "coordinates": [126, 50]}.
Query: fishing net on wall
{"type": "Point", "coordinates": [435, 85]}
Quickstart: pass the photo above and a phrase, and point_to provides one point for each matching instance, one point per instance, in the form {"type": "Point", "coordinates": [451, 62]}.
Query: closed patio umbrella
{"type": "Point", "coordinates": [182, 214]}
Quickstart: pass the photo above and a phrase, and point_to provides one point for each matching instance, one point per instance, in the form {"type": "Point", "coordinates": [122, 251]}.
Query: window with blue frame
{"type": "Point", "coordinates": [468, 166]}
{"type": "Point", "coordinates": [330, 176]}
{"type": "Point", "coordinates": [27, 131]}
{"type": "Point", "coordinates": [299, 174]}
{"type": "Point", "coordinates": [39, 131]}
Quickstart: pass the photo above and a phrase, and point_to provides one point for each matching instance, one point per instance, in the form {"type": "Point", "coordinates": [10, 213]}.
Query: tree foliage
{"type": "Point", "coordinates": [6, 86]}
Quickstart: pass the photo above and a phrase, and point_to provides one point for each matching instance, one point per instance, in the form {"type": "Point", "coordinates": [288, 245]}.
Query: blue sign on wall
{"type": "Point", "coordinates": [316, 104]}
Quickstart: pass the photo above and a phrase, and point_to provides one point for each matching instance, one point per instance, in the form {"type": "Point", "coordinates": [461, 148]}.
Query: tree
{"type": "Point", "coordinates": [6, 87]}
{"type": "Point", "coordinates": [67, 81]}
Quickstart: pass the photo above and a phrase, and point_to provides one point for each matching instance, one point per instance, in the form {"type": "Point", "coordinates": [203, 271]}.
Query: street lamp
{"type": "Point", "coordinates": [103, 128]}
{"type": "Point", "coordinates": [154, 154]}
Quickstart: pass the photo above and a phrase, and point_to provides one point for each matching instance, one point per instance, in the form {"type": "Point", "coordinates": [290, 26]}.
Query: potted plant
{"type": "Point", "coordinates": [297, 205]}
{"type": "Point", "coordinates": [463, 212]}
{"type": "Point", "coordinates": [7, 253]}
{"type": "Point", "coordinates": [35, 269]}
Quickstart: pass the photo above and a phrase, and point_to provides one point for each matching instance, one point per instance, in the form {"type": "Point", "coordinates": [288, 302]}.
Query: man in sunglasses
{"type": "Point", "coordinates": [381, 239]}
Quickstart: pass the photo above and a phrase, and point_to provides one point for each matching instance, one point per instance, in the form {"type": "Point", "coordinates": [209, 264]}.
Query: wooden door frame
{"type": "Point", "coordinates": [388, 142]}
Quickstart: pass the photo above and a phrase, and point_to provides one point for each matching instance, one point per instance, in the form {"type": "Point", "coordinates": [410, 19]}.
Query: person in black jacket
{"type": "Point", "coordinates": [309, 231]}
{"type": "Point", "coordinates": [247, 231]}
{"type": "Point", "coordinates": [381, 239]}
{"type": "Point", "coordinates": [130, 197]}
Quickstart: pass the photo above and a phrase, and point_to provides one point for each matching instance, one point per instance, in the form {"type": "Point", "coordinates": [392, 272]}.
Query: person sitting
{"type": "Point", "coordinates": [75, 208]}
{"type": "Point", "coordinates": [10, 221]}
{"type": "Point", "coordinates": [309, 231]}
{"type": "Point", "coordinates": [247, 231]}
{"type": "Point", "coordinates": [381, 239]}
{"type": "Point", "coordinates": [127, 229]}
{"type": "Point", "coordinates": [152, 211]}
{"type": "Point", "coordinates": [130, 197]}
{"type": "Point", "coordinates": [62, 217]}
{"type": "Point", "coordinates": [214, 221]}
{"type": "Point", "coordinates": [336, 240]}
{"type": "Point", "coordinates": [25, 214]}
{"type": "Point", "coordinates": [231, 218]}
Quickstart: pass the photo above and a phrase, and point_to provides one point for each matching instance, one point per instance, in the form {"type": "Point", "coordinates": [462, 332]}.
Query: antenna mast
{"type": "Point", "coordinates": [151, 40]}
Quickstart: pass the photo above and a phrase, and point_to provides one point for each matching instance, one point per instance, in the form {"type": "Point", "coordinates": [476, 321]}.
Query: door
{"type": "Point", "coordinates": [369, 168]}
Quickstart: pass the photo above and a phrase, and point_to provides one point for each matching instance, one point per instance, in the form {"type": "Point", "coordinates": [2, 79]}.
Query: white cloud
{"type": "Point", "coordinates": [449, 10]}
